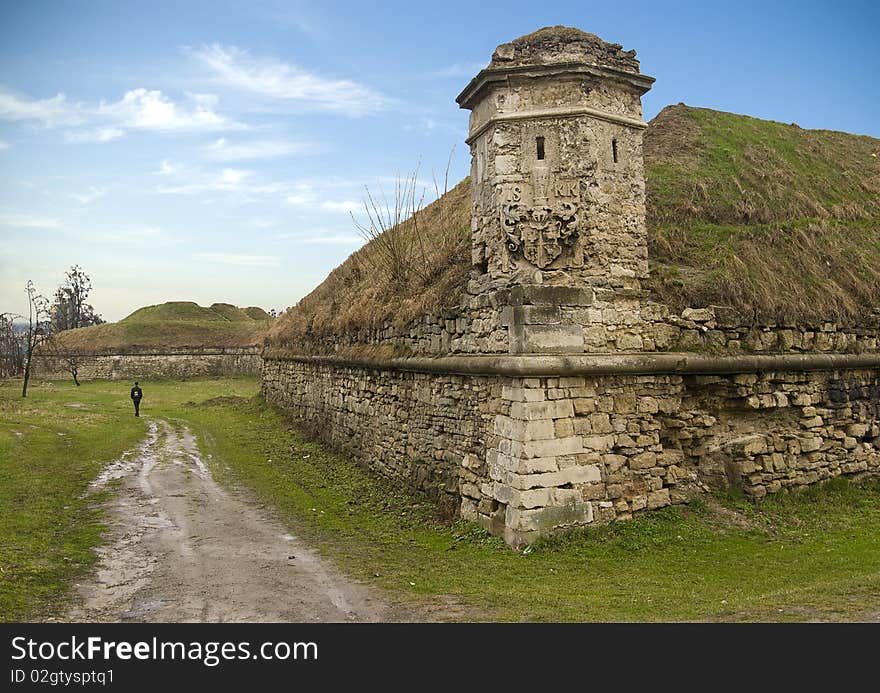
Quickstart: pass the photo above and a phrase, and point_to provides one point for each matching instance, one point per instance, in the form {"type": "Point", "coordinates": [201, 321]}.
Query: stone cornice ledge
{"type": "Point", "coordinates": [501, 75]}
{"type": "Point", "coordinates": [537, 365]}
{"type": "Point", "coordinates": [564, 112]}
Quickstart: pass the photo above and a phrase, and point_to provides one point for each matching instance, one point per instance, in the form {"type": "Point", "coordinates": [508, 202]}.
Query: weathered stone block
{"type": "Point", "coordinates": [747, 446]}
{"type": "Point", "coordinates": [698, 314]}
{"type": "Point", "coordinates": [670, 457]}
{"type": "Point", "coordinates": [562, 428]}
{"type": "Point", "coordinates": [599, 443]}
{"type": "Point", "coordinates": [577, 474]}
{"type": "Point", "coordinates": [644, 460]}
{"type": "Point", "coordinates": [658, 499]}
{"type": "Point", "coordinates": [554, 447]}
{"type": "Point", "coordinates": [648, 405]}
{"type": "Point", "coordinates": [530, 315]}
{"type": "Point", "coordinates": [557, 409]}
{"type": "Point", "coordinates": [550, 296]}
{"type": "Point", "coordinates": [522, 394]}
{"type": "Point", "coordinates": [600, 423]}
{"type": "Point", "coordinates": [521, 430]}
{"type": "Point", "coordinates": [548, 519]}
{"type": "Point", "coordinates": [810, 444]}
{"type": "Point", "coordinates": [538, 339]}
{"type": "Point", "coordinates": [505, 164]}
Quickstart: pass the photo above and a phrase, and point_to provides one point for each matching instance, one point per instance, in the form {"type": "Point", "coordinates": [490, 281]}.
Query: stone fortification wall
{"type": "Point", "coordinates": [558, 393]}
{"type": "Point", "coordinates": [526, 456]}
{"type": "Point", "coordinates": [150, 364]}
{"type": "Point", "coordinates": [418, 428]}
{"type": "Point", "coordinates": [546, 319]}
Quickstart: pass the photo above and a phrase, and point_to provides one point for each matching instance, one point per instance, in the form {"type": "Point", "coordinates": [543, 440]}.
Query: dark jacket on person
{"type": "Point", "coordinates": [136, 393]}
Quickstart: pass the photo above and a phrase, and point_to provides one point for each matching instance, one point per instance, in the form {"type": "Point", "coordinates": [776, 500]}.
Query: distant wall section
{"type": "Point", "coordinates": [178, 363]}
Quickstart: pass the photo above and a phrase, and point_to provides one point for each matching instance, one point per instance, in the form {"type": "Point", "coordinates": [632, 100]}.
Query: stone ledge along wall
{"type": "Point", "coordinates": [189, 363]}
{"type": "Point", "coordinates": [558, 394]}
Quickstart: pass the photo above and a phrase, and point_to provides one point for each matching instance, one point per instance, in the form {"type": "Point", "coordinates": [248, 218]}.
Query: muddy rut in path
{"type": "Point", "coordinates": [181, 548]}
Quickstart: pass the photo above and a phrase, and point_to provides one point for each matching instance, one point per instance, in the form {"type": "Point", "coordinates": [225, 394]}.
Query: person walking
{"type": "Point", "coordinates": [136, 396]}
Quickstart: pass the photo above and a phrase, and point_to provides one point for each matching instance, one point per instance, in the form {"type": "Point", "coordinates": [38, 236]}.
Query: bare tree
{"type": "Point", "coordinates": [392, 230]}
{"type": "Point", "coordinates": [402, 246]}
{"type": "Point", "coordinates": [69, 309]}
{"type": "Point", "coordinates": [11, 356]}
{"type": "Point", "coordinates": [68, 360]}
{"type": "Point", "coordinates": [38, 329]}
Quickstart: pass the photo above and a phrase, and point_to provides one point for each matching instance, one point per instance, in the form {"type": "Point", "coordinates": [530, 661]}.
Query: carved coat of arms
{"type": "Point", "coordinates": [540, 233]}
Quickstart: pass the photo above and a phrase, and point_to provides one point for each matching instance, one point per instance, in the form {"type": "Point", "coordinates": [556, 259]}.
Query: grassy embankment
{"type": "Point", "coordinates": [776, 221]}
{"type": "Point", "coordinates": [779, 223]}
{"type": "Point", "coordinates": [792, 557]}
{"type": "Point", "coordinates": [172, 325]}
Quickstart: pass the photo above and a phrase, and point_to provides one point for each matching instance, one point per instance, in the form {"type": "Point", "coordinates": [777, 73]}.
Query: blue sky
{"type": "Point", "coordinates": [211, 151]}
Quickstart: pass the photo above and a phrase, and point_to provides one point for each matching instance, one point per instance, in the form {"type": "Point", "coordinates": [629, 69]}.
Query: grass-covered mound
{"type": "Point", "coordinates": [774, 220]}
{"type": "Point", "coordinates": [172, 325]}
{"type": "Point", "coordinates": [778, 222]}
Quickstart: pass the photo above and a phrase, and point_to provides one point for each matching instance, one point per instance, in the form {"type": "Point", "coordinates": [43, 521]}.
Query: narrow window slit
{"type": "Point", "coordinates": [539, 141]}
{"type": "Point", "coordinates": [614, 150]}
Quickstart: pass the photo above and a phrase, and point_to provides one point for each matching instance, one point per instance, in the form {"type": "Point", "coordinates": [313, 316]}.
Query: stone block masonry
{"type": "Point", "coordinates": [557, 393]}
{"type": "Point", "coordinates": [528, 456]}
{"type": "Point", "coordinates": [428, 431]}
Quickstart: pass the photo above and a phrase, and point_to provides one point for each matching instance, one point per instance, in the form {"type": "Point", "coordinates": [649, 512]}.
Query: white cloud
{"type": "Point", "coordinates": [274, 79]}
{"type": "Point", "coordinates": [425, 125]}
{"type": "Point", "coordinates": [322, 238]}
{"type": "Point", "coordinates": [232, 177]}
{"type": "Point", "coordinates": [300, 199]}
{"type": "Point", "coordinates": [90, 196]}
{"type": "Point", "coordinates": [138, 109]}
{"type": "Point", "coordinates": [229, 180]}
{"type": "Point", "coordinates": [97, 135]}
{"type": "Point", "coordinates": [239, 260]}
{"type": "Point", "coordinates": [151, 236]}
{"type": "Point", "coordinates": [142, 109]}
{"type": "Point", "coordinates": [51, 112]}
{"type": "Point", "coordinates": [3, 145]}
{"type": "Point", "coordinates": [307, 195]}
{"type": "Point", "coordinates": [166, 168]}
{"type": "Point", "coordinates": [341, 206]}
{"type": "Point", "coordinates": [223, 150]}
{"type": "Point", "coordinates": [29, 221]}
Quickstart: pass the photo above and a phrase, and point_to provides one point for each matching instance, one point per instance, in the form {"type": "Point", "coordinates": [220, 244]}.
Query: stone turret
{"type": "Point", "coordinates": [557, 182]}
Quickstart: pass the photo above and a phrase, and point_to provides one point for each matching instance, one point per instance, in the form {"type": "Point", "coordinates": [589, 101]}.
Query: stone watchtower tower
{"type": "Point", "coordinates": [557, 183]}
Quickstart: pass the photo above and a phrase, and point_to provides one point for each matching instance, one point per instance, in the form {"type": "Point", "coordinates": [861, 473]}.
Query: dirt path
{"type": "Point", "coordinates": [181, 548]}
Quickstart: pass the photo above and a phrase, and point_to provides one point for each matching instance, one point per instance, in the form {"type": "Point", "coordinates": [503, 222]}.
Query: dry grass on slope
{"type": "Point", "coordinates": [360, 293]}
{"type": "Point", "coordinates": [778, 222]}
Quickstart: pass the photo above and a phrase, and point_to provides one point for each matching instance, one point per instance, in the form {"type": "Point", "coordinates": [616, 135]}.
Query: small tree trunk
{"type": "Point", "coordinates": [73, 372]}
{"type": "Point", "coordinates": [27, 376]}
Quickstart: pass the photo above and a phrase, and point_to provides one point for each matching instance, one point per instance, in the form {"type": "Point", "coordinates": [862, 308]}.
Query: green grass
{"type": "Point", "coordinates": [809, 555]}
{"type": "Point", "coordinates": [187, 311]}
{"type": "Point", "coordinates": [705, 165]}
{"type": "Point", "coordinates": [49, 453]}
